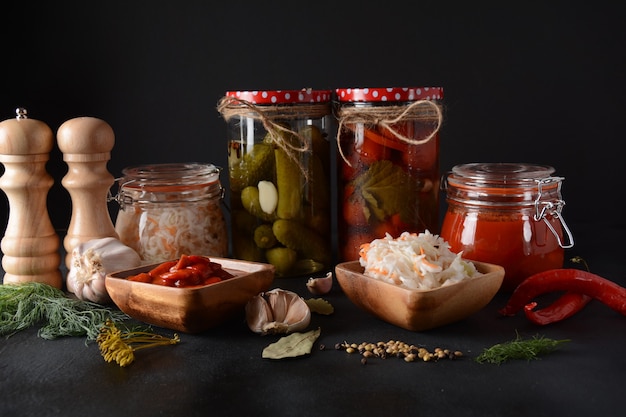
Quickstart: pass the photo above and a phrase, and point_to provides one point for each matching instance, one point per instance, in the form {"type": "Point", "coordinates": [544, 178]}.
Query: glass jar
{"type": "Point", "coordinates": [387, 164]}
{"type": "Point", "coordinates": [279, 178]}
{"type": "Point", "coordinates": [507, 214]}
{"type": "Point", "coordinates": [167, 210]}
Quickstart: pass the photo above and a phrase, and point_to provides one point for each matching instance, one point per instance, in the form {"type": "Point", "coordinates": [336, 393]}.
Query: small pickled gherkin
{"type": "Point", "coordinates": [251, 202]}
{"type": "Point", "coordinates": [264, 236]}
{"type": "Point", "coordinates": [282, 258]}
{"type": "Point", "coordinates": [252, 167]}
{"type": "Point", "coordinates": [288, 176]}
{"type": "Point", "coordinates": [303, 240]}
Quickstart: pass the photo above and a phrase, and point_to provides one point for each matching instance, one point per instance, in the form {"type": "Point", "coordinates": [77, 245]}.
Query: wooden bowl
{"type": "Point", "coordinates": [193, 309]}
{"type": "Point", "coordinates": [419, 310]}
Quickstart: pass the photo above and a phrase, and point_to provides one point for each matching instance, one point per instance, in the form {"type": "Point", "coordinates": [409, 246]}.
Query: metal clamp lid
{"type": "Point", "coordinates": [553, 208]}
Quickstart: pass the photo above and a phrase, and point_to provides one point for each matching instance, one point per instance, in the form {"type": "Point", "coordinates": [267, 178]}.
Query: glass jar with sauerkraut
{"type": "Point", "coordinates": [167, 210]}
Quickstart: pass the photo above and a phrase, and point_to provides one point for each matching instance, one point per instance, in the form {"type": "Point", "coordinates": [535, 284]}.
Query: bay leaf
{"type": "Point", "coordinates": [294, 345]}
{"type": "Point", "coordinates": [320, 306]}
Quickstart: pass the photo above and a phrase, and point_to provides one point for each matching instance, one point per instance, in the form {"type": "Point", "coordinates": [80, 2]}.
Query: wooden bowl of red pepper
{"type": "Point", "coordinates": [191, 298]}
{"type": "Point", "coordinates": [419, 310]}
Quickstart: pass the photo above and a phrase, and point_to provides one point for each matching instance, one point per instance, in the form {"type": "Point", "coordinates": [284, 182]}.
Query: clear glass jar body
{"type": "Point", "coordinates": [279, 183]}
{"type": "Point", "coordinates": [167, 210]}
{"type": "Point", "coordinates": [388, 174]}
{"type": "Point", "coordinates": [494, 215]}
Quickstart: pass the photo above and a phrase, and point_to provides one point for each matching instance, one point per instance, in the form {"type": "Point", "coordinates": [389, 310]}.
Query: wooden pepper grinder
{"type": "Point", "coordinates": [86, 143]}
{"type": "Point", "coordinates": [30, 244]}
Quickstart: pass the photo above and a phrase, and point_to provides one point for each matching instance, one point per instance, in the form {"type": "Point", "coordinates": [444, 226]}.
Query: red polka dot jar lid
{"type": "Point", "coordinates": [388, 94]}
{"type": "Point", "coordinates": [305, 96]}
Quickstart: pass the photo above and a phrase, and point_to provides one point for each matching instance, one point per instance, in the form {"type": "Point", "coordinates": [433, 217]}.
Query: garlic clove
{"type": "Point", "coordinates": [321, 285]}
{"type": "Point", "coordinates": [268, 196]}
{"type": "Point", "coordinates": [277, 311]}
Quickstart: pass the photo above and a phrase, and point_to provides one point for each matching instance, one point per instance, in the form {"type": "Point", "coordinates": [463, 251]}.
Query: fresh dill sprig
{"type": "Point", "coordinates": [28, 304]}
{"type": "Point", "coordinates": [528, 349]}
{"type": "Point", "coordinates": [120, 345]}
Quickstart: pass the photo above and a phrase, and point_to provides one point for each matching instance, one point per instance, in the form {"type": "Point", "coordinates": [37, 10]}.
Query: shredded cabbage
{"type": "Point", "coordinates": [417, 261]}
{"type": "Point", "coordinates": [162, 232]}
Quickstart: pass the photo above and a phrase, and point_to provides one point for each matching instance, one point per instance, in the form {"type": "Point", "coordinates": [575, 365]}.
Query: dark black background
{"type": "Point", "coordinates": [531, 82]}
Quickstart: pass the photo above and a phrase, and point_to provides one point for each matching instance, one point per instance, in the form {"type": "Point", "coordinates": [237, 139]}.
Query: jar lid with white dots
{"type": "Point", "coordinates": [395, 94]}
{"type": "Point", "coordinates": [304, 96]}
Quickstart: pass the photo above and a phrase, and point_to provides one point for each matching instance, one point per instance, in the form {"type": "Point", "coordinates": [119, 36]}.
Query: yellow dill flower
{"type": "Point", "coordinates": [120, 346]}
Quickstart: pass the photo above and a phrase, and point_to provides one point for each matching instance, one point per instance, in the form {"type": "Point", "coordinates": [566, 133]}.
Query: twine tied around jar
{"type": "Point", "coordinates": [271, 117]}
{"type": "Point", "coordinates": [386, 116]}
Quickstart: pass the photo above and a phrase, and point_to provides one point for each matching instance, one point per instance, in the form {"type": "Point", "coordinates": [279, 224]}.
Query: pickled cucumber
{"type": "Point", "coordinates": [264, 236]}
{"type": "Point", "coordinates": [254, 166]}
{"type": "Point", "coordinates": [305, 241]}
{"type": "Point", "coordinates": [250, 201]}
{"type": "Point", "coordinates": [288, 177]}
{"type": "Point", "coordinates": [245, 248]}
{"type": "Point", "coordinates": [243, 221]}
{"type": "Point", "coordinates": [282, 258]}
{"type": "Point", "coordinates": [319, 145]}
{"type": "Point", "coordinates": [318, 186]}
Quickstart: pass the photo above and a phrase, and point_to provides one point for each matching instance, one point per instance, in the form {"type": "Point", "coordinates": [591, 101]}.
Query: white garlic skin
{"type": "Point", "coordinates": [92, 261]}
{"type": "Point", "coordinates": [277, 311]}
{"type": "Point", "coordinates": [321, 285]}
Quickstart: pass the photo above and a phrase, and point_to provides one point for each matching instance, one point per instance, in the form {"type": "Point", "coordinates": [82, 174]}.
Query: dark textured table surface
{"type": "Point", "coordinates": [221, 371]}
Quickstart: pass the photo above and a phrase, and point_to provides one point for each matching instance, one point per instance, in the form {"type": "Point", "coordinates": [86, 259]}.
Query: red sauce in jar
{"type": "Point", "coordinates": [492, 217]}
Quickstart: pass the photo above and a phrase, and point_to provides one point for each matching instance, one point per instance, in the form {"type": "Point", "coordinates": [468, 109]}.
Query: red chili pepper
{"type": "Point", "coordinates": [198, 259]}
{"type": "Point", "coordinates": [180, 278]}
{"type": "Point", "coordinates": [162, 268]}
{"type": "Point", "coordinates": [572, 280]}
{"type": "Point", "coordinates": [141, 277]}
{"type": "Point", "coordinates": [183, 262]}
{"type": "Point", "coordinates": [212, 280]}
{"type": "Point", "coordinates": [565, 306]}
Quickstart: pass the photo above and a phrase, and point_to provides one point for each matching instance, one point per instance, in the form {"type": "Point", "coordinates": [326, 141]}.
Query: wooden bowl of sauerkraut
{"type": "Point", "coordinates": [416, 283]}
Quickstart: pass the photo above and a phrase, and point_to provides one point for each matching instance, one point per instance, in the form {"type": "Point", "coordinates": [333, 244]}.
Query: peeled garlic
{"type": "Point", "coordinates": [277, 311]}
{"type": "Point", "coordinates": [268, 196]}
{"type": "Point", "coordinates": [92, 261]}
{"type": "Point", "coordinates": [321, 285]}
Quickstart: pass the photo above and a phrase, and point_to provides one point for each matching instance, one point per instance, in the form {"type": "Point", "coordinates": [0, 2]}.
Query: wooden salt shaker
{"type": "Point", "coordinates": [30, 244]}
{"type": "Point", "coordinates": [86, 143]}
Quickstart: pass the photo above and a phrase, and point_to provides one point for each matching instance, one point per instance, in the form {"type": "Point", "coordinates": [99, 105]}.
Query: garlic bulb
{"type": "Point", "coordinates": [277, 311]}
{"type": "Point", "coordinates": [92, 261]}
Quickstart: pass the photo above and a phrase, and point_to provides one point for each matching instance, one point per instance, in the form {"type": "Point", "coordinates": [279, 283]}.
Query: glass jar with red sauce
{"type": "Point", "coordinates": [387, 163]}
{"type": "Point", "coordinates": [507, 214]}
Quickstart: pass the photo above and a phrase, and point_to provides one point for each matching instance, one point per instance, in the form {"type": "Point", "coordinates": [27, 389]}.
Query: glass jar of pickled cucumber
{"type": "Point", "coordinates": [167, 210]}
{"type": "Point", "coordinates": [387, 163]}
{"type": "Point", "coordinates": [279, 178]}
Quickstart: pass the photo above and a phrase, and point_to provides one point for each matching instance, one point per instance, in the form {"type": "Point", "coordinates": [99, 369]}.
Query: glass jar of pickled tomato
{"type": "Point", "coordinates": [387, 163]}
{"type": "Point", "coordinates": [279, 178]}
{"type": "Point", "coordinates": [167, 210]}
{"type": "Point", "coordinates": [507, 214]}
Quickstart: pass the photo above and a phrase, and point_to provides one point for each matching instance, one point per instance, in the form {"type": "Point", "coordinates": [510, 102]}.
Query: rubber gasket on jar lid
{"type": "Point", "coordinates": [304, 96]}
{"type": "Point", "coordinates": [388, 94]}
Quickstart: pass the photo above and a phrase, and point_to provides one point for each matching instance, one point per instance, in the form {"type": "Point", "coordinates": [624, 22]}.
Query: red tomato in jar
{"type": "Point", "coordinates": [371, 151]}
{"type": "Point", "coordinates": [353, 208]}
{"type": "Point", "coordinates": [422, 157]}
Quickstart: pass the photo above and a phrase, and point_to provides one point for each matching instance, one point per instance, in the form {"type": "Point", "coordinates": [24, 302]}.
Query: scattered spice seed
{"type": "Point", "coordinates": [399, 349]}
